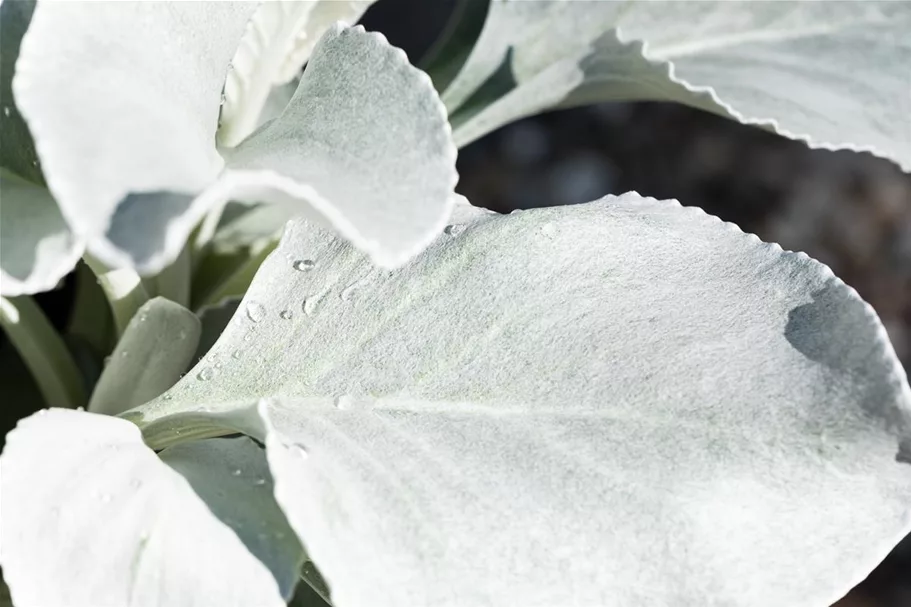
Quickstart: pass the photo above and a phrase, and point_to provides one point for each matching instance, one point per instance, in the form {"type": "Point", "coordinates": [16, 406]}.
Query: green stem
{"type": "Point", "coordinates": [173, 282]}
{"type": "Point", "coordinates": [89, 320]}
{"type": "Point", "coordinates": [43, 351]}
{"type": "Point", "coordinates": [236, 283]}
{"type": "Point", "coordinates": [123, 289]}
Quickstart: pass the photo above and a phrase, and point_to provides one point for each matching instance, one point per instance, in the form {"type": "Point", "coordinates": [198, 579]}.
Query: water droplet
{"type": "Point", "coordinates": [206, 374]}
{"type": "Point", "coordinates": [348, 292]}
{"type": "Point", "coordinates": [259, 482]}
{"type": "Point", "coordinates": [224, 99]}
{"type": "Point", "coordinates": [286, 314]}
{"type": "Point", "coordinates": [255, 311]}
{"type": "Point", "coordinates": [6, 111]}
{"type": "Point", "coordinates": [237, 472]}
{"type": "Point", "coordinates": [248, 336]}
{"type": "Point", "coordinates": [311, 303]}
{"type": "Point", "coordinates": [300, 452]}
{"type": "Point", "coordinates": [236, 354]}
{"type": "Point", "coordinates": [344, 403]}
{"type": "Point", "coordinates": [453, 230]}
{"type": "Point", "coordinates": [302, 265]}
{"type": "Point", "coordinates": [167, 397]}
{"type": "Point", "coordinates": [80, 408]}
{"type": "Point", "coordinates": [230, 67]}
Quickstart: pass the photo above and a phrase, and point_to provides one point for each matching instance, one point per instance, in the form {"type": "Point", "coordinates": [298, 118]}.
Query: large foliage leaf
{"type": "Point", "coordinates": [278, 41]}
{"type": "Point", "coordinates": [91, 516]}
{"type": "Point", "coordinates": [833, 74]}
{"type": "Point", "coordinates": [365, 142]}
{"type": "Point", "coordinates": [123, 100]}
{"type": "Point", "coordinates": [36, 247]}
{"type": "Point", "coordinates": [116, 111]}
{"type": "Point", "coordinates": [672, 412]}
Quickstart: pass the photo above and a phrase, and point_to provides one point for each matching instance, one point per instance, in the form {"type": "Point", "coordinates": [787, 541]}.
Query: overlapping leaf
{"type": "Point", "coordinates": [91, 516]}
{"type": "Point", "coordinates": [674, 411]}
{"type": "Point", "coordinates": [125, 124]}
{"type": "Point", "coordinates": [833, 74]}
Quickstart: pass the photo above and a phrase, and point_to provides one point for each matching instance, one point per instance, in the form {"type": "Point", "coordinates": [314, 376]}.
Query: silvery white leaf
{"type": "Point", "coordinates": [136, 168]}
{"type": "Point", "coordinates": [672, 412]}
{"type": "Point", "coordinates": [91, 516]}
{"type": "Point", "coordinates": [278, 41]}
{"type": "Point", "coordinates": [832, 74]}
{"type": "Point", "coordinates": [364, 146]}
{"type": "Point", "coordinates": [37, 248]}
{"type": "Point", "coordinates": [114, 110]}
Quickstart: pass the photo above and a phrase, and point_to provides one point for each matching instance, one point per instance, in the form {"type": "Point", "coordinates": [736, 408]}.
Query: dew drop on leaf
{"type": "Point", "coordinates": [237, 472]}
{"type": "Point", "coordinates": [6, 111]}
{"type": "Point", "coordinates": [302, 265]}
{"type": "Point", "coordinates": [311, 303]}
{"type": "Point", "coordinates": [453, 230]}
{"type": "Point", "coordinates": [286, 314]}
{"type": "Point", "coordinates": [348, 292]}
{"type": "Point", "coordinates": [206, 374]}
{"type": "Point", "coordinates": [255, 311]}
{"type": "Point", "coordinates": [259, 482]}
{"type": "Point", "coordinates": [236, 354]}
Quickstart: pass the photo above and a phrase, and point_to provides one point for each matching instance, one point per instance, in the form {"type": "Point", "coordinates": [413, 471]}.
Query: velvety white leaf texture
{"type": "Point", "coordinates": [671, 414]}
{"type": "Point", "coordinates": [364, 142]}
{"type": "Point", "coordinates": [37, 248]}
{"type": "Point", "coordinates": [278, 41]}
{"type": "Point", "coordinates": [123, 101]}
{"type": "Point", "coordinates": [123, 97]}
{"type": "Point", "coordinates": [92, 517]}
{"type": "Point", "coordinates": [151, 355]}
{"type": "Point", "coordinates": [833, 74]}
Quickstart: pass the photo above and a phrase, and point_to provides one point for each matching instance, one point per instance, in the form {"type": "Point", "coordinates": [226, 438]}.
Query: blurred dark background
{"type": "Point", "coordinates": [850, 211]}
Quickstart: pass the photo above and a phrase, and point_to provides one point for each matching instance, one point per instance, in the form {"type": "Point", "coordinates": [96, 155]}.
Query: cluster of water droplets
{"type": "Point", "coordinates": [255, 312]}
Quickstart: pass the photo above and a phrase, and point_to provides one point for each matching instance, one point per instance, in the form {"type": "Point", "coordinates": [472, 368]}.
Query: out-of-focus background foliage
{"type": "Point", "coordinates": [850, 211]}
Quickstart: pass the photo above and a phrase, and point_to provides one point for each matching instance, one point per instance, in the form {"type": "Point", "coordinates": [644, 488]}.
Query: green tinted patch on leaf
{"type": "Point", "coordinates": [17, 150]}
